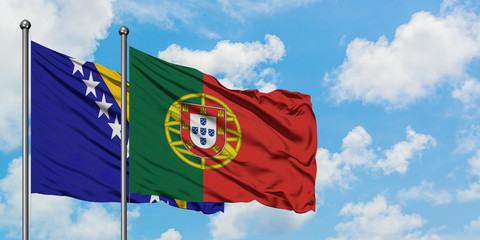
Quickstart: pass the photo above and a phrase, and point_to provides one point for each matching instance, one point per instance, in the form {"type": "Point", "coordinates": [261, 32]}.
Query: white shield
{"type": "Point", "coordinates": [203, 130]}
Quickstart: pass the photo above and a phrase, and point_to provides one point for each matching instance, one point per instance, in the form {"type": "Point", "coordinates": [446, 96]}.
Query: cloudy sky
{"type": "Point", "coordinates": [395, 88]}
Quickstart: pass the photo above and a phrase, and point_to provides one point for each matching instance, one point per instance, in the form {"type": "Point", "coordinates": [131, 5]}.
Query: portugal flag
{"type": "Point", "coordinates": [195, 140]}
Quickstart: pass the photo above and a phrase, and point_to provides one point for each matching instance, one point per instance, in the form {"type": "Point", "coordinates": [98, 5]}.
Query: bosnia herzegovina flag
{"type": "Point", "coordinates": [75, 132]}
{"type": "Point", "coordinates": [193, 139]}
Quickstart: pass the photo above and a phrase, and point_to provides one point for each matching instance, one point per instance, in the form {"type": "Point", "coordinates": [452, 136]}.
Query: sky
{"type": "Point", "coordinates": [395, 88]}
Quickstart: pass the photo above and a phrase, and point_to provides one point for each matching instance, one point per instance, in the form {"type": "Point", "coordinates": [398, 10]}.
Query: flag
{"type": "Point", "coordinates": [195, 140]}
{"type": "Point", "coordinates": [75, 131]}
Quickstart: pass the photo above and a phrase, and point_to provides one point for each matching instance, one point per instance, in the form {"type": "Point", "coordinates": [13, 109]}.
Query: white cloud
{"type": "Point", "coordinates": [473, 192]}
{"type": "Point", "coordinates": [238, 63]}
{"type": "Point", "coordinates": [397, 157]}
{"type": "Point", "coordinates": [135, 213]}
{"type": "Point", "coordinates": [426, 52]}
{"type": "Point", "coordinates": [172, 14]}
{"type": "Point", "coordinates": [132, 214]}
{"type": "Point", "coordinates": [447, 5]}
{"type": "Point", "coordinates": [53, 217]}
{"type": "Point", "coordinates": [93, 222]}
{"type": "Point", "coordinates": [354, 148]}
{"type": "Point", "coordinates": [341, 43]}
{"type": "Point", "coordinates": [468, 93]}
{"type": "Point", "coordinates": [337, 168]}
{"type": "Point", "coordinates": [11, 197]}
{"type": "Point", "coordinates": [378, 220]}
{"type": "Point", "coordinates": [425, 192]}
{"type": "Point", "coordinates": [468, 140]}
{"type": "Point", "coordinates": [474, 163]}
{"type": "Point", "coordinates": [474, 226]}
{"type": "Point", "coordinates": [268, 78]}
{"type": "Point", "coordinates": [163, 13]}
{"type": "Point", "coordinates": [331, 171]}
{"type": "Point", "coordinates": [239, 219]}
{"type": "Point", "coordinates": [420, 236]}
{"type": "Point", "coordinates": [265, 87]}
{"type": "Point", "coordinates": [10, 115]}
{"type": "Point", "coordinates": [470, 194]}
{"type": "Point", "coordinates": [170, 234]}
{"type": "Point", "coordinates": [71, 27]}
{"type": "Point", "coordinates": [244, 8]}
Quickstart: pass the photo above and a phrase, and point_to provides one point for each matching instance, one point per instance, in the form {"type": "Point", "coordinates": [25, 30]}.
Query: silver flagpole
{"type": "Point", "coordinates": [123, 31]}
{"type": "Point", "coordinates": [25, 26]}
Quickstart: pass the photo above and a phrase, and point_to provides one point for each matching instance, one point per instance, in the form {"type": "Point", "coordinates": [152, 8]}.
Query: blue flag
{"type": "Point", "coordinates": [75, 132]}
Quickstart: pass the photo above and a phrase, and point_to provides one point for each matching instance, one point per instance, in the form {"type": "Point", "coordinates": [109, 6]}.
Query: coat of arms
{"type": "Point", "coordinates": [203, 129]}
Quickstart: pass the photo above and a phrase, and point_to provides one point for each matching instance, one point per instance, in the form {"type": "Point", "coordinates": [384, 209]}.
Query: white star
{"type": "Point", "coordinates": [90, 85]}
{"type": "Point", "coordinates": [77, 65]}
{"type": "Point", "coordinates": [104, 106]}
{"type": "Point", "coordinates": [154, 198]}
{"type": "Point", "coordinates": [116, 128]}
{"type": "Point", "coordinates": [128, 148]}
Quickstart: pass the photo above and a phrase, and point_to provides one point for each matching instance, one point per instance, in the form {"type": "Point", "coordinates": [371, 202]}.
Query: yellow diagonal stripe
{"type": "Point", "coordinates": [181, 204]}
{"type": "Point", "coordinates": [113, 80]}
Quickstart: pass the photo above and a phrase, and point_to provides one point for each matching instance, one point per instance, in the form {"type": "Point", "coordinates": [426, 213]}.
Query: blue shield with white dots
{"type": "Point", "coordinates": [203, 129]}
{"type": "Point", "coordinates": [199, 130]}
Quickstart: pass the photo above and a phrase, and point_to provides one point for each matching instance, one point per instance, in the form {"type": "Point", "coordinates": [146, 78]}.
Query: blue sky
{"type": "Point", "coordinates": [395, 89]}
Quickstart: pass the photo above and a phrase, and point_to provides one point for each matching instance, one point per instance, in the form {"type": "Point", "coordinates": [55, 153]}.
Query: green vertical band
{"type": "Point", "coordinates": [154, 168]}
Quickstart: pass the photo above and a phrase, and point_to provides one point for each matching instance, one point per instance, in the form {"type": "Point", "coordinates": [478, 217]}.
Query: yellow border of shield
{"type": "Point", "coordinates": [173, 119]}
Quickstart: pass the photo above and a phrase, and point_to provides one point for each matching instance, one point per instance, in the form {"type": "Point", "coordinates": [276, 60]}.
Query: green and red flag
{"type": "Point", "coordinates": [195, 140]}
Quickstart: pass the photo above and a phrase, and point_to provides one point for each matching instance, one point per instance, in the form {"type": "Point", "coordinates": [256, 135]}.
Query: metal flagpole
{"type": "Point", "coordinates": [123, 31]}
{"type": "Point", "coordinates": [25, 26]}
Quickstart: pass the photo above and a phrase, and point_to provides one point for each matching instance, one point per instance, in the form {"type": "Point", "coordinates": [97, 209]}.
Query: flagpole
{"type": "Point", "coordinates": [123, 31]}
{"type": "Point", "coordinates": [25, 26]}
